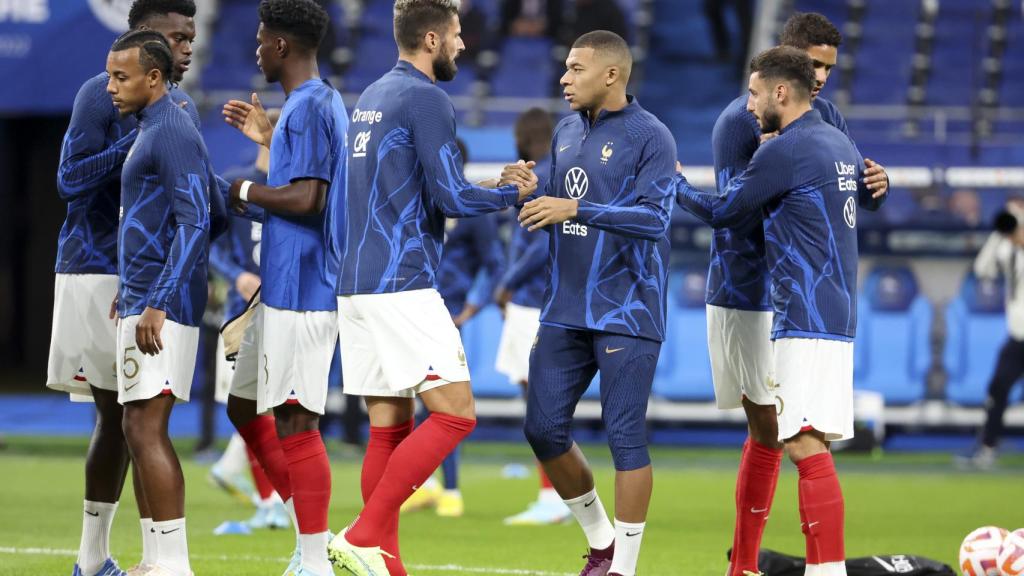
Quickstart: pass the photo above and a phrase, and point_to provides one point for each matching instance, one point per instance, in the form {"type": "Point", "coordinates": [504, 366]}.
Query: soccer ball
{"type": "Point", "coordinates": [979, 550]}
{"type": "Point", "coordinates": [1010, 560]}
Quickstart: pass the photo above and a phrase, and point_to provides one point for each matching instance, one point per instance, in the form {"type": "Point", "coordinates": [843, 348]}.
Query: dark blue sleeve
{"type": "Point", "coordinates": [222, 261]}
{"type": "Point", "coordinates": [85, 162]}
{"type": "Point", "coordinates": [768, 176]}
{"type": "Point", "coordinates": [648, 218]}
{"type": "Point", "coordinates": [252, 211]}
{"type": "Point", "coordinates": [183, 174]}
{"type": "Point", "coordinates": [864, 198]}
{"type": "Point", "coordinates": [186, 103]}
{"type": "Point", "coordinates": [432, 118]}
{"type": "Point", "coordinates": [734, 140]}
{"type": "Point", "coordinates": [308, 132]}
{"type": "Point", "coordinates": [530, 263]}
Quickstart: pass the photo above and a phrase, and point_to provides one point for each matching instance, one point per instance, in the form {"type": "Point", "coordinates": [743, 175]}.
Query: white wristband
{"type": "Point", "coordinates": [243, 194]}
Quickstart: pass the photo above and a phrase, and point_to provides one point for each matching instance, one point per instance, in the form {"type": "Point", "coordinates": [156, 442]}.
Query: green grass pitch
{"type": "Point", "coordinates": [913, 504]}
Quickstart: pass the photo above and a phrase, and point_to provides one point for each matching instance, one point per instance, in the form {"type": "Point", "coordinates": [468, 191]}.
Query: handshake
{"type": "Point", "coordinates": [519, 174]}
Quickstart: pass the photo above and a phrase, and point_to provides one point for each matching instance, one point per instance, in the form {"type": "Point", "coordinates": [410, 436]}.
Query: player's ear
{"type": "Point", "coordinates": [781, 91]}
{"type": "Point", "coordinates": [281, 46]}
{"type": "Point", "coordinates": [154, 78]}
{"type": "Point", "coordinates": [611, 75]}
{"type": "Point", "coordinates": [431, 41]}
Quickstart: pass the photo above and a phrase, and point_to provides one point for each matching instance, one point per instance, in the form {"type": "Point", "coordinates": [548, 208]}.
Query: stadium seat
{"type": "Point", "coordinates": [684, 369]}
{"type": "Point", "coordinates": [976, 331]}
{"type": "Point", "coordinates": [526, 68]}
{"type": "Point", "coordinates": [891, 351]}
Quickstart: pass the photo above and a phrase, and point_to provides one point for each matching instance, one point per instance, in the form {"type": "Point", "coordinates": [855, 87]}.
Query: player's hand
{"type": "Point", "coordinates": [521, 174]}
{"type": "Point", "coordinates": [250, 119]}
{"type": "Point", "coordinates": [547, 210]}
{"type": "Point", "coordinates": [875, 178]}
{"type": "Point", "coordinates": [768, 136]}
{"type": "Point", "coordinates": [235, 203]}
{"type": "Point", "coordinates": [247, 284]}
{"type": "Point", "coordinates": [147, 331]}
{"type": "Point", "coordinates": [502, 296]}
{"type": "Point", "coordinates": [468, 311]}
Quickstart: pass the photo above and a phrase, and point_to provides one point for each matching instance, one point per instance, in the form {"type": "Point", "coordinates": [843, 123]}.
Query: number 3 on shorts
{"type": "Point", "coordinates": [134, 370]}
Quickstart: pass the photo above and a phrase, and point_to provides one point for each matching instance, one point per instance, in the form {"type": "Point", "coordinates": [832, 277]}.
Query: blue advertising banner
{"type": "Point", "coordinates": [49, 47]}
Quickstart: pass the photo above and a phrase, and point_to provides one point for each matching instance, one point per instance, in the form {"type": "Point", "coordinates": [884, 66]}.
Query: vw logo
{"type": "Point", "coordinates": [576, 183]}
{"type": "Point", "coordinates": [850, 212]}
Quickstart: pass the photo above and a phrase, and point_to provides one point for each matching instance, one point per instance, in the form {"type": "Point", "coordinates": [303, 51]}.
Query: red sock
{"type": "Point", "coordinates": [259, 477]}
{"type": "Point", "coordinates": [383, 441]}
{"type": "Point", "coordinates": [410, 465]}
{"type": "Point", "coordinates": [260, 436]}
{"type": "Point", "coordinates": [755, 486]}
{"type": "Point", "coordinates": [821, 501]}
{"type": "Point", "coordinates": [545, 482]}
{"type": "Point", "coordinates": [311, 479]}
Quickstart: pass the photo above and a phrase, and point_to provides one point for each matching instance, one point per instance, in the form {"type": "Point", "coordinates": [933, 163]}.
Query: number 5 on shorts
{"type": "Point", "coordinates": [124, 364]}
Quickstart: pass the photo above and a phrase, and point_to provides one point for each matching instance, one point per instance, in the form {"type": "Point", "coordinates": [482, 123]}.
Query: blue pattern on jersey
{"type": "Point", "coordinates": [609, 266]}
{"type": "Point", "coordinates": [238, 250]}
{"type": "Point", "coordinates": [471, 245]}
{"type": "Point", "coordinates": [807, 183]}
{"type": "Point", "coordinates": [299, 254]}
{"type": "Point", "coordinates": [737, 276]}
{"type": "Point", "coordinates": [89, 177]}
{"type": "Point", "coordinates": [405, 176]}
{"type": "Point", "coordinates": [165, 202]}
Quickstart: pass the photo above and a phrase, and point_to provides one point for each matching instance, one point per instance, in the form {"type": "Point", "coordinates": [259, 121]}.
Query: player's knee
{"type": "Point", "coordinates": [629, 449]}
{"type": "Point", "coordinates": [548, 439]}
{"type": "Point", "coordinates": [240, 411]}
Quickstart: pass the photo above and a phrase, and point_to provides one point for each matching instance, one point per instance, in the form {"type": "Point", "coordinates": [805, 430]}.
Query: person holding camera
{"type": "Point", "coordinates": [1002, 254]}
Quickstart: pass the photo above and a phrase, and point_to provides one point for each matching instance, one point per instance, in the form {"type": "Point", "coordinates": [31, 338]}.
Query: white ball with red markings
{"type": "Point", "coordinates": [1010, 560]}
{"type": "Point", "coordinates": [979, 551]}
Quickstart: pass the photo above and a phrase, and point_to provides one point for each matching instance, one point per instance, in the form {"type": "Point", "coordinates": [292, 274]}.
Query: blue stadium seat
{"type": "Point", "coordinates": [891, 352]}
{"type": "Point", "coordinates": [976, 330]}
{"type": "Point", "coordinates": [480, 338]}
{"type": "Point", "coordinates": [526, 68]}
{"type": "Point", "coordinates": [232, 62]}
{"type": "Point", "coordinates": [684, 369]}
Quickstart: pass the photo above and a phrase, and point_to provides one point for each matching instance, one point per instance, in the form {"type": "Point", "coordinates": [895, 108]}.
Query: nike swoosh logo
{"type": "Point", "coordinates": [758, 510]}
{"type": "Point", "coordinates": [631, 534]}
{"type": "Point", "coordinates": [563, 148]}
{"type": "Point", "coordinates": [169, 531]}
{"type": "Point", "coordinates": [587, 505]}
{"type": "Point", "coordinates": [92, 513]}
{"type": "Point", "coordinates": [415, 487]}
{"type": "Point", "coordinates": [608, 350]}
{"type": "Point", "coordinates": [127, 388]}
{"type": "Point", "coordinates": [812, 524]}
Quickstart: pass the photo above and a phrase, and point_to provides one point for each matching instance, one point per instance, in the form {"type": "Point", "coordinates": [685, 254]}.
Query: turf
{"type": "Point", "coordinates": [913, 504]}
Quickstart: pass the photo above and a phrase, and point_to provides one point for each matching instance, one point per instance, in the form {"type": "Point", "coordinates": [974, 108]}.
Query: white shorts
{"type": "Point", "coordinates": [398, 344]}
{"type": "Point", "coordinates": [294, 360]}
{"type": "Point", "coordinates": [517, 337]}
{"type": "Point", "coordinates": [83, 340]}
{"type": "Point", "coordinates": [740, 345]}
{"type": "Point", "coordinates": [814, 387]}
{"type": "Point", "coordinates": [245, 376]}
{"type": "Point", "coordinates": [223, 373]}
{"type": "Point", "coordinates": [141, 377]}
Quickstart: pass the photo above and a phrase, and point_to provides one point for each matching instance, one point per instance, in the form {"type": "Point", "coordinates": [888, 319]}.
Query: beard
{"type": "Point", "coordinates": [444, 67]}
{"type": "Point", "coordinates": [771, 121]}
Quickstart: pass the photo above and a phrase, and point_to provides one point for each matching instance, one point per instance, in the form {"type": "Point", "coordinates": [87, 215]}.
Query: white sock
{"type": "Point", "coordinates": [235, 459]}
{"type": "Point", "coordinates": [148, 542]}
{"type": "Point", "coordinates": [95, 546]}
{"type": "Point", "coordinates": [549, 496]}
{"type": "Point", "coordinates": [454, 492]}
{"type": "Point", "coordinates": [172, 546]}
{"type": "Point", "coordinates": [831, 569]}
{"type": "Point", "coordinates": [589, 512]}
{"type": "Point", "coordinates": [627, 547]}
{"type": "Point", "coordinates": [289, 505]}
{"type": "Point", "coordinates": [314, 553]}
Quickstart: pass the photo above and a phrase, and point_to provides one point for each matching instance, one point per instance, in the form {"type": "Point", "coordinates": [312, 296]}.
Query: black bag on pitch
{"type": "Point", "coordinates": [776, 564]}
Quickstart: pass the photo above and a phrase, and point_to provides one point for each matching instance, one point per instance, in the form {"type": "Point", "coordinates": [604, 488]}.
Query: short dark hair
{"type": "Point", "coordinates": [786, 63]}
{"type": "Point", "coordinates": [143, 10]}
{"type": "Point", "coordinates": [304, 20]}
{"type": "Point", "coordinates": [604, 41]}
{"type": "Point", "coordinates": [806, 29]}
{"type": "Point", "coordinates": [414, 18]}
{"type": "Point", "coordinates": [535, 123]}
{"type": "Point", "coordinates": [154, 51]}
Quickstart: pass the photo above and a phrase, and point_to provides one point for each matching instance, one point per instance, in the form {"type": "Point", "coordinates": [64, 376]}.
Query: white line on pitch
{"type": "Point", "coordinates": [446, 568]}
